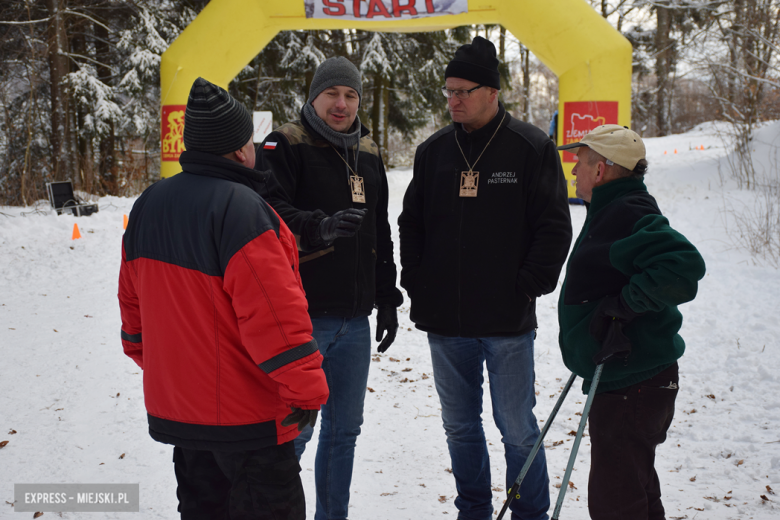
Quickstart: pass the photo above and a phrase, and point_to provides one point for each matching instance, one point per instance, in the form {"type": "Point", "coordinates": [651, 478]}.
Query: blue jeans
{"type": "Point", "coordinates": [345, 345]}
{"type": "Point", "coordinates": [457, 371]}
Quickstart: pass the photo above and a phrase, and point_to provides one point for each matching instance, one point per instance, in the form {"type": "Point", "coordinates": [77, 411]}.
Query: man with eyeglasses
{"type": "Point", "coordinates": [485, 229]}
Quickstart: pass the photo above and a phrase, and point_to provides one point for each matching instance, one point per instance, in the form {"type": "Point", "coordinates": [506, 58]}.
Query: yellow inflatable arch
{"type": "Point", "coordinates": [591, 59]}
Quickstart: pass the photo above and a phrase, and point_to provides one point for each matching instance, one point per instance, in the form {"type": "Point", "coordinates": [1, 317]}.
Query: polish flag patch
{"type": "Point", "coordinates": [270, 145]}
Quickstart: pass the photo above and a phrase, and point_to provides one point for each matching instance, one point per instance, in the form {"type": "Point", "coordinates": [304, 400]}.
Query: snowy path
{"type": "Point", "coordinates": [76, 403]}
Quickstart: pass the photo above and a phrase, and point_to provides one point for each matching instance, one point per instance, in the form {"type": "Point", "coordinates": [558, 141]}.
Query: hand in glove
{"type": "Point", "coordinates": [386, 320]}
{"type": "Point", "coordinates": [612, 314]}
{"type": "Point", "coordinates": [302, 417]}
{"type": "Point", "coordinates": [616, 345]}
{"type": "Point", "coordinates": [610, 309]}
{"type": "Point", "coordinates": [344, 223]}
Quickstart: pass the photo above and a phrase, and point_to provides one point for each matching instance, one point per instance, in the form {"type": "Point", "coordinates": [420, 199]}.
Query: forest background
{"type": "Point", "coordinates": [80, 84]}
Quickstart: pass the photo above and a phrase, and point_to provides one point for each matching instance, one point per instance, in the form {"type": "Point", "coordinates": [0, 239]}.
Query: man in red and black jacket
{"type": "Point", "coordinates": [214, 312]}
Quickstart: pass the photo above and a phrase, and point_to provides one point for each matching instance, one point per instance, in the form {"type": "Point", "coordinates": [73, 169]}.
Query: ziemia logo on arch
{"type": "Point", "coordinates": [582, 124]}
{"type": "Point", "coordinates": [580, 117]}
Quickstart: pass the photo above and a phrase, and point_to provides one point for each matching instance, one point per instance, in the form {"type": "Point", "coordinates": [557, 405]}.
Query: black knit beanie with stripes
{"type": "Point", "coordinates": [214, 121]}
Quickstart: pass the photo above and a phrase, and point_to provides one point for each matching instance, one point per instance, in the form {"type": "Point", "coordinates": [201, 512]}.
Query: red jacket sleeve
{"type": "Point", "coordinates": [263, 281]}
{"type": "Point", "coordinates": [130, 312]}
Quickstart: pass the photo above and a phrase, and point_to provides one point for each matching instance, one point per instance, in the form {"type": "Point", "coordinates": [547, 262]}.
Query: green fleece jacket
{"type": "Point", "coordinates": [627, 247]}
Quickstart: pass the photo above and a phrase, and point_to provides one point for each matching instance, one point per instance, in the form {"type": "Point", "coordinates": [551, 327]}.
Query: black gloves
{"type": "Point", "coordinates": [615, 345]}
{"type": "Point", "coordinates": [344, 223]}
{"type": "Point", "coordinates": [612, 314]}
{"type": "Point", "coordinates": [302, 417]}
{"type": "Point", "coordinates": [386, 320]}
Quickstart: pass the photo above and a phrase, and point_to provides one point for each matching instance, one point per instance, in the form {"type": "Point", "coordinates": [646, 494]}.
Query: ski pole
{"type": "Point", "coordinates": [576, 447]}
{"type": "Point", "coordinates": [513, 493]}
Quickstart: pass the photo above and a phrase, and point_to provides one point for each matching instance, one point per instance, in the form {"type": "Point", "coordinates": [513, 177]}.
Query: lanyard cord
{"type": "Point", "coordinates": [345, 162]}
{"type": "Point", "coordinates": [471, 168]}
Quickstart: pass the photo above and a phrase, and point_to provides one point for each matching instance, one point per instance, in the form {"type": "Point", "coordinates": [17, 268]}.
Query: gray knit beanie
{"type": "Point", "coordinates": [214, 121]}
{"type": "Point", "coordinates": [335, 71]}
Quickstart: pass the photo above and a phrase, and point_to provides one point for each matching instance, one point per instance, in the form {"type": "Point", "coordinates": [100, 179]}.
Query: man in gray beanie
{"type": "Point", "coordinates": [485, 229]}
{"type": "Point", "coordinates": [333, 194]}
{"type": "Point", "coordinates": [214, 313]}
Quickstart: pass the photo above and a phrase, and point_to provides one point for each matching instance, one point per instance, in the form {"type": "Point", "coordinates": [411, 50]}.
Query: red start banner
{"type": "Point", "coordinates": [172, 132]}
{"type": "Point", "coordinates": [382, 9]}
{"type": "Point", "coordinates": [580, 117]}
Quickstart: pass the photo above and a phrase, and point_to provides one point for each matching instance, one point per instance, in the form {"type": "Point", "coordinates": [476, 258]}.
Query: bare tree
{"type": "Point", "coordinates": [746, 77]}
{"type": "Point", "coordinates": [63, 160]}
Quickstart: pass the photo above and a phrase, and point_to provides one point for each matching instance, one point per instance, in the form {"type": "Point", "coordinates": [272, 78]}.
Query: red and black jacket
{"type": "Point", "coordinates": [214, 312]}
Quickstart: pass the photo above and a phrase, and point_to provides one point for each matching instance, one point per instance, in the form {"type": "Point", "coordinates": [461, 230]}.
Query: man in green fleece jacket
{"type": "Point", "coordinates": [627, 273]}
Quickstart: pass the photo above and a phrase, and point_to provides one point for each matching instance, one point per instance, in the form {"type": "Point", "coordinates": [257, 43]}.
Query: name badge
{"type": "Point", "coordinates": [358, 191]}
{"type": "Point", "coordinates": [469, 181]}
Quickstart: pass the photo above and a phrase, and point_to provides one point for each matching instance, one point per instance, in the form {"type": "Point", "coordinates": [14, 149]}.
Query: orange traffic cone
{"type": "Point", "coordinates": [664, 152]}
{"type": "Point", "coordinates": [675, 150]}
{"type": "Point", "coordinates": [124, 224]}
{"type": "Point", "coordinates": [76, 233]}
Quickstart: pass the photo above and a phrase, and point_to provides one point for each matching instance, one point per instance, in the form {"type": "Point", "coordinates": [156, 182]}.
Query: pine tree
{"type": "Point", "coordinates": [404, 73]}
{"type": "Point", "coordinates": [80, 88]}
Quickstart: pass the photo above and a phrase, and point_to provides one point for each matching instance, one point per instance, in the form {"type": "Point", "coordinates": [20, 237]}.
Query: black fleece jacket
{"type": "Point", "coordinates": [473, 267]}
{"type": "Point", "coordinates": [310, 182]}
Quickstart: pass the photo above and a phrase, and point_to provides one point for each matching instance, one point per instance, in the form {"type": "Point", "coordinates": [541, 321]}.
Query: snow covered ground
{"type": "Point", "coordinates": [71, 404]}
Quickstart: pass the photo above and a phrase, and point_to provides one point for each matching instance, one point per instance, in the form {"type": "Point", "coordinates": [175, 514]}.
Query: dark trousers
{"type": "Point", "coordinates": [262, 484]}
{"type": "Point", "coordinates": [625, 426]}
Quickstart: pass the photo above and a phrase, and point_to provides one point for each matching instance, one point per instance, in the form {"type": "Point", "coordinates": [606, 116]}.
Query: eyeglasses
{"type": "Point", "coordinates": [460, 94]}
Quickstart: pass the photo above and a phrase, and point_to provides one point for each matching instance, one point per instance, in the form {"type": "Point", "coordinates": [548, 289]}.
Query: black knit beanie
{"type": "Point", "coordinates": [332, 72]}
{"type": "Point", "coordinates": [477, 62]}
{"type": "Point", "coordinates": [214, 121]}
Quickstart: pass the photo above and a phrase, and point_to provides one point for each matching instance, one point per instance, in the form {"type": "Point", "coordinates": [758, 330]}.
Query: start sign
{"type": "Point", "coordinates": [382, 9]}
{"type": "Point", "coordinates": [580, 117]}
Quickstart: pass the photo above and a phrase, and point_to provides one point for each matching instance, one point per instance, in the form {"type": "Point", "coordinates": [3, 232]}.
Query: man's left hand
{"type": "Point", "coordinates": [607, 327]}
{"type": "Point", "coordinates": [386, 320]}
{"type": "Point", "coordinates": [302, 417]}
{"type": "Point", "coordinates": [616, 345]}
{"type": "Point", "coordinates": [610, 308]}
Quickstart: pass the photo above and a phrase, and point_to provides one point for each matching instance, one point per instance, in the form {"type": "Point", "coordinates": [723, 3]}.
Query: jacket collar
{"type": "Point", "coordinates": [210, 165]}
{"type": "Point", "coordinates": [606, 193]}
{"type": "Point", "coordinates": [317, 137]}
{"type": "Point", "coordinates": [486, 132]}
